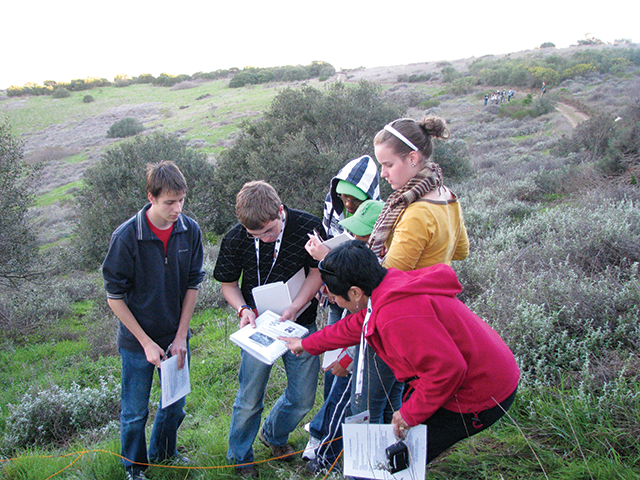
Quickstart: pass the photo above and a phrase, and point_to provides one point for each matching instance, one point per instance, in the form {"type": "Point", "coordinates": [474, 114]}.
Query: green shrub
{"type": "Point", "coordinates": [61, 93]}
{"type": "Point", "coordinates": [88, 99]}
{"type": "Point", "coordinates": [313, 132]}
{"type": "Point", "coordinates": [114, 189]}
{"type": "Point", "coordinates": [548, 45]}
{"type": "Point", "coordinates": [127, 127]}
{"type": "Point", "coordinates": [56, 415]}
{"type": "Point", "coordinates": [145, 78]}
{"type": "Point", "coordinates": [289, 73]}
{"type": "Point", "coordinates": [18, 184]}
{"type": "Point", "coordinates": [414, 78]}
{"type": "Point", "coordinates": [453, 157]}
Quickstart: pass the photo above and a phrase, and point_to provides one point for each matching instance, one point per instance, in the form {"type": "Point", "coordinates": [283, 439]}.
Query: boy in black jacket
{"type": "Point", "coordinates": [152, 273]}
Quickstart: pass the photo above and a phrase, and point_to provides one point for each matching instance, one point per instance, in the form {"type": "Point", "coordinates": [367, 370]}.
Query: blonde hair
{"type": "Point", "coordinates": [257, 203]}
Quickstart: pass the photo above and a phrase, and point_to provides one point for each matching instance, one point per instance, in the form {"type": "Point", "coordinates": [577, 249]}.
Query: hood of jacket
{"type": "Point", "coordinates": [438, 279]}
{"type": "Point", "coordinates": [361, 172]}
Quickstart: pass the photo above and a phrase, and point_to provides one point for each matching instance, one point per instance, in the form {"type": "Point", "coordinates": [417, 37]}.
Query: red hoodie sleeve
{"type": "Point", "coordinates": [420, 346]}
{"type": "Point", "coordinates": [343, 333]}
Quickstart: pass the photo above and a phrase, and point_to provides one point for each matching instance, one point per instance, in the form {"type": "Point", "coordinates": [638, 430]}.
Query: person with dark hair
{"type": "Point", "coordinates": [268, 245]}
{"type": "Point", "coordinates": [152, 272]}
{"type": "Point", "coordinates": [325, 429]}
{"type": "Point", "coordinates": [355, 183]}
{"type": "Point", "coordinates": [461, 376]}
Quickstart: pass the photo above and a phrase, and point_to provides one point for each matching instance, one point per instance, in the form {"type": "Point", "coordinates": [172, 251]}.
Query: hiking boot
{"type": "Point", "coordinates": [283, 453]}
{"type": "Point", "coordinates": [249, 471]}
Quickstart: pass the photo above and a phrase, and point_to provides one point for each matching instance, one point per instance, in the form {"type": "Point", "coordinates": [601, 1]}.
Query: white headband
{"type": "Point", "coordinates": [400, 136]}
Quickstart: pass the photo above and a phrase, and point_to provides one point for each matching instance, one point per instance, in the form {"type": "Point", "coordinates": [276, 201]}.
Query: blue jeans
{"type": "Point", "coordinates": [137, 377]}
{"type": "Point", "coordinates": [381, 392]}
{"type": "Point", "coordinates": [296, 401]}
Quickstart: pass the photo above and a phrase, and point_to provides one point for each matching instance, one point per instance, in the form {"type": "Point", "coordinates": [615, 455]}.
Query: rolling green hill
{"type": "Point", "coordinates": [551, 206]}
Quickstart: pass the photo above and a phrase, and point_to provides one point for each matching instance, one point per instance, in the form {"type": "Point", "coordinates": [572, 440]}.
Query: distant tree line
{"type": "Point", "coordinates": [239, 78]}
{"type": "Point", "coordinates": [531, 72]}
{"type": "Point", "coordinates": [254, 76]}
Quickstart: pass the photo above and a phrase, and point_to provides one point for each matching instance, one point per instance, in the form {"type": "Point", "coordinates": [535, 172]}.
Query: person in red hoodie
{"type": "Point", "coordinates": [461, 376]}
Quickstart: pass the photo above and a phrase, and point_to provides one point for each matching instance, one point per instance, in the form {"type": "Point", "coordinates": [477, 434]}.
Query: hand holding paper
{"type": "Point", "coordinates": [316, 248]}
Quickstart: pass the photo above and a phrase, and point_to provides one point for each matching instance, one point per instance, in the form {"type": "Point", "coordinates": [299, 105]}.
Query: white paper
{"type": "Point", "coordinates": [262, 342]}
{"type": "Point", "coordinates": [329, 357]}
{"type": "Point", "coordinates": [174, 383]}
{"type": "Point", "coordinates": [278, 296]}
{"type": "Point", "coordinates": [337, 240]}
{"type": "Point", "coordinates": [364, 451]}
{"type": "Point", "coordinates": [362, 417]}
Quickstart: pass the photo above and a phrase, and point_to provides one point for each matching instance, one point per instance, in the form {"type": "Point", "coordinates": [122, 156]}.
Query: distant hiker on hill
{"type": "Point", "coordinates": [152, 273]}
{"type": "Point", "coordinates": [486, 99]}
{"type": "Point", "coordinates": [510, 95]}
{"type": "Point", "coordinates": [544, 88]}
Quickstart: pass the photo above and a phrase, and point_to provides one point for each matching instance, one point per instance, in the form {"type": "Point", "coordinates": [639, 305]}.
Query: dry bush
{"type": "Point", "coordinates": [185, 85]}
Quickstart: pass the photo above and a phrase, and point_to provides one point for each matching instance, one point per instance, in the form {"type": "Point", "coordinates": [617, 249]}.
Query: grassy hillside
{"type": "Point", "coordinates": [555, 249]}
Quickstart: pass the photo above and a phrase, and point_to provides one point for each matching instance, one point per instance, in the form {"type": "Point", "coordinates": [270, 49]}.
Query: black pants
{"type": "Point", "coordinates": [446, 428]}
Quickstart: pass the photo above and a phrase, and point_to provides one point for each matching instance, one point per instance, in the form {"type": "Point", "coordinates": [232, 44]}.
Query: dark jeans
{"type": "Point", "coordinates": [137, 377]}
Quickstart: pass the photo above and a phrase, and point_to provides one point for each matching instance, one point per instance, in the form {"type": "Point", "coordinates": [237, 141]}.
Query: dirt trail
{"type": "Point", "coordinates": [572, 114]}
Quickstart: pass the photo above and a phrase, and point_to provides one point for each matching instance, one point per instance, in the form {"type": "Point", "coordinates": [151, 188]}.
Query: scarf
{"type": "Point", "coordinates": [427, 180]}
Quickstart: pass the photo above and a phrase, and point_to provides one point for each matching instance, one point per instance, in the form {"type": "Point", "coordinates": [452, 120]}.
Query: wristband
{"type": "Point", "coordinates": [242, 307]}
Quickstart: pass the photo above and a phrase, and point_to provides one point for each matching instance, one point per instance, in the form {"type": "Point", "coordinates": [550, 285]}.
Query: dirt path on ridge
{"type": "Point", "coordinates": [572, 114]}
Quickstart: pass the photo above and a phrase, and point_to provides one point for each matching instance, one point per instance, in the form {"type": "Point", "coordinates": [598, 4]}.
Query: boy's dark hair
{"type": "Point", "coordinates": [163, 177]}
{"type": "Point", "coordinates": [351, 264]}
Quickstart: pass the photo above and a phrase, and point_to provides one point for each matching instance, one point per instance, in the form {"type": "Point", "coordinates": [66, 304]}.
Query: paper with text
{"type": "Point", "coordinates": [174, 383]}
{"type": "Point", "coordinates": [364, 451]}
{"type": "Point", "coordinates": [262, 342]}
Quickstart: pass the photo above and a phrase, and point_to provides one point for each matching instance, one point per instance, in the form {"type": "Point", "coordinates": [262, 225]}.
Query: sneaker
{"type": "Point", "coordinates": [310, 450]}
{"type": "Point", "coordinates": [131, 474]}
{"type": "Point", "coordinates": [250, 471]}
{"type": "Point", "coordinates": [283, 453]}
{"type": "Point", "coordinates": [181, 460]}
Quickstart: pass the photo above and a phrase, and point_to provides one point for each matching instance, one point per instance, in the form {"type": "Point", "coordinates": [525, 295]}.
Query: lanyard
{"type": "Point", "coordinates": [363, 348]}
{"type": "Point", "coordinates": [276, 250]}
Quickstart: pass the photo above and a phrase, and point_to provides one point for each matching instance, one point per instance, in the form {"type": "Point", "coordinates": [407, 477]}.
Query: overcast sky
{"type": "Point", "coordinates": [66, 39]}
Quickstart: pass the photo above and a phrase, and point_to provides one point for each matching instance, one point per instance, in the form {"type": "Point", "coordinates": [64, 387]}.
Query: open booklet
{"type": "Point", "coordinates": [278, 296]}
{"type": "Point", "coordinates": [262, 342]}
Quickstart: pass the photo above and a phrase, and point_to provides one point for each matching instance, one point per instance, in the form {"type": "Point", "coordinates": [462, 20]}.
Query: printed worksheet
{"type": "Point", "coordinates": [365, 456]}
{"type": "Point", "coordinates": [174, 383]}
